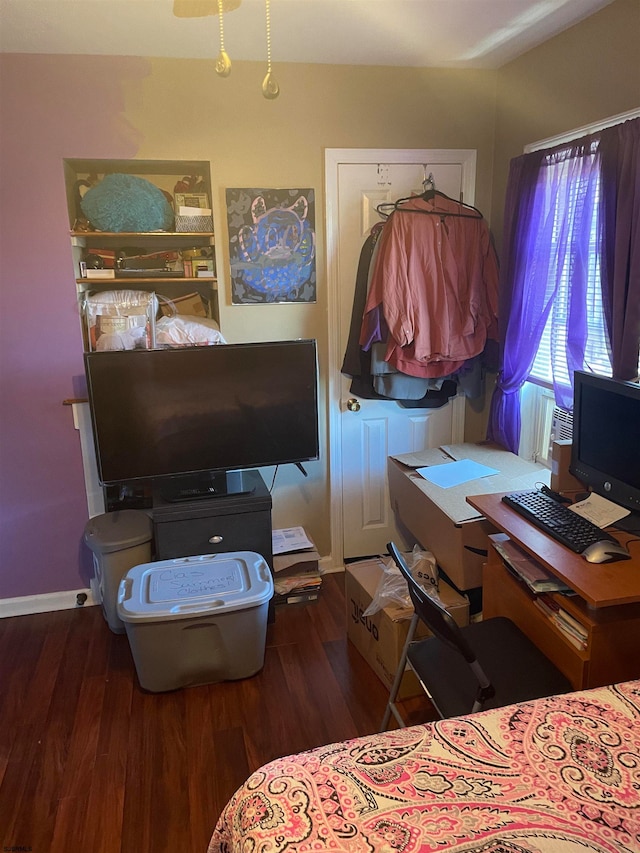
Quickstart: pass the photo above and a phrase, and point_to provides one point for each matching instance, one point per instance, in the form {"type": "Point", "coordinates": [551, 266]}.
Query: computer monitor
{"type": "Point", "coordinates": [605, 453]}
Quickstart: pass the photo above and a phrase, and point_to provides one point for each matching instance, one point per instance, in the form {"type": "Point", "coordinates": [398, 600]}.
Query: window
{"type": "Point", "coordinates": [550, 364]}
{"type": "Point", "coordinates": [569, 255]}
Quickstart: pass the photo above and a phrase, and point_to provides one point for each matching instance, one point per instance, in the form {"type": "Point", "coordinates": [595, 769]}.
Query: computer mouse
{"type": "Point", "coordinates": [605, 551]}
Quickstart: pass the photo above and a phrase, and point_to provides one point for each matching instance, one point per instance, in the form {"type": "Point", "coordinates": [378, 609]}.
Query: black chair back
{"type": "Point", "coordinates": [441, 624]}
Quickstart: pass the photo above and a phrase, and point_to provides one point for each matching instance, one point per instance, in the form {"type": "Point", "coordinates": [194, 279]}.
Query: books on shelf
{"type": "Point", "coordinates": [541, 583]}
{"type": "Point", "coordinates": [573, 630]}
{"type": "Point", "coordinates": [524, 567]}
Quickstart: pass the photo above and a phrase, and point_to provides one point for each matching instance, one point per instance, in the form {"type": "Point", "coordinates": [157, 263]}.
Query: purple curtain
{"type": "Point", "coordinates": [547, 230]}
{"type": "Point", "coordinates": [620, 155]}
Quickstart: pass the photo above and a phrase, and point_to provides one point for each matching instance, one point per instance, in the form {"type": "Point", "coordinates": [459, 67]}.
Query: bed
{"type": "Point", "coordinates": [557, 775]}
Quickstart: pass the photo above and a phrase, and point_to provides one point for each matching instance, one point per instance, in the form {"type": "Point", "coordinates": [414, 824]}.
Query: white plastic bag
{"type": "Point", "coordinates": [185, 330]}
{"type": "Point", "coordinates": [120, 319]}
{"type": "Point", "coordinates": [392, 587]}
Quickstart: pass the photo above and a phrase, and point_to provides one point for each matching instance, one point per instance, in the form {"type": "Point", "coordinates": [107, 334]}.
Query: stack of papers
{"type": "Point", "coordinates": [290, 539]}
{"type": "Point", "coordinates": [526, 569]}
{"type": "Point", "coordinates": [297, 575]}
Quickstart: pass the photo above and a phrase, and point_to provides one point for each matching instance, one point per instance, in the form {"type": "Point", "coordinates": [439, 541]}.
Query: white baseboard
{"type": "Point", "coordinates": [27, 604]}
{"type": "Point", "coordinates": [68, 599]}
{"type": "Point", "coordinates": [327, 566]}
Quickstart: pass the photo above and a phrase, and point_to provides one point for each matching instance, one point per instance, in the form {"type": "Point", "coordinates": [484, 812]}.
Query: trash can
{"type": "Point", "coordinates": [196, 620]}
{"type": "Point", "coordinates": [119, 540]}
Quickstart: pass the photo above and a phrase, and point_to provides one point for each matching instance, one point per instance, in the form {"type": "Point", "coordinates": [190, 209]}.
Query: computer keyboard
{"type": "Point", "coordinates": [572, 530]}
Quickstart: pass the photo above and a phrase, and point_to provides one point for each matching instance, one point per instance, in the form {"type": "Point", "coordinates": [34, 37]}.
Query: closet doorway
{"type": "Point", "coordinates": [362, 432]}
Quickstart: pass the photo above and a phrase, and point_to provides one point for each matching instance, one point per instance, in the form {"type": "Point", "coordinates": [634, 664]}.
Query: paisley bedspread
{"type": "Point", "coordinates": [557, 775]}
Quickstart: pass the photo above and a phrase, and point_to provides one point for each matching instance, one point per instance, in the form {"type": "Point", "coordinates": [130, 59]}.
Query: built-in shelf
{"type": "Point", "coordinates": [164, 174]}
{"type": "Point", "coordinates": [131, 282]}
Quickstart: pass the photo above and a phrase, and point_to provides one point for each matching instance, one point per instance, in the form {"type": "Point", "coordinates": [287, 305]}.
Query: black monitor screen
{"type": "Point", "coordinates": [605, 453]}
{"type": "Point", "coordinates": [159, 413]}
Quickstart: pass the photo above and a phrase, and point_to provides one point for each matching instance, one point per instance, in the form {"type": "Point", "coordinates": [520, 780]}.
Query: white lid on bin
{"type": "Point", "coordinates": [188, 586]}
{"type": "Point", "coordinates": [115, 531]}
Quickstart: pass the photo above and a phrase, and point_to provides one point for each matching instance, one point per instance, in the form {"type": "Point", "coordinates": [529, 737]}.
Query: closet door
{"type": "Point", "coordinates": [363, 433]}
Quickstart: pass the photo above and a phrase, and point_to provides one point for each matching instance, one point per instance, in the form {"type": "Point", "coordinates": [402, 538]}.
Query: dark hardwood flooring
{"type": "Point", "coordinates": [90, 762]}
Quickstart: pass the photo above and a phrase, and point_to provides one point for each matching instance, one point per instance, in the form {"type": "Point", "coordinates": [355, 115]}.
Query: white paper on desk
{"type": "Point", "coordinates": [455, 473]}
{"type": "Point", "coordinates": [599, 510]}
{"type": "Point", "coordinates": [290, 539]}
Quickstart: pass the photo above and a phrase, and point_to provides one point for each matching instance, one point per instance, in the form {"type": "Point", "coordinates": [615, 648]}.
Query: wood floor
{"type": "Point", "coordinates": [90, 762]}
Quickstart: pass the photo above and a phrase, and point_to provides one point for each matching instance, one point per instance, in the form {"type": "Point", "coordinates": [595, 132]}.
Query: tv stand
{"type": "Point", "coordinates": [202, 486]}
{"type": "Point", "coordinates": [239, 521]}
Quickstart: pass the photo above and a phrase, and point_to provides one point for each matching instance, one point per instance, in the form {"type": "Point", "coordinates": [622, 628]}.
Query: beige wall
{"type": "Point", "coordinates": [183, 110]}
{"type": "Point", "coordinates": [585, 74]}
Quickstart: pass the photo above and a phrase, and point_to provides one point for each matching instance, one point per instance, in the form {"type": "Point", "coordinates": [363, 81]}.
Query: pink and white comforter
{"type": "Point", "coordinates": [557, 775]}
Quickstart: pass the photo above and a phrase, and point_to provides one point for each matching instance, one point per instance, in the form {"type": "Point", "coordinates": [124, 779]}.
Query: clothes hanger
{"type": "Point", "coordinates": [428, 194]}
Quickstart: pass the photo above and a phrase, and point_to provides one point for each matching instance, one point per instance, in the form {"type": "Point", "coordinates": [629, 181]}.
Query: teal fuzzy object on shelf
{"type": "Point", "coordinates": [127, 203]}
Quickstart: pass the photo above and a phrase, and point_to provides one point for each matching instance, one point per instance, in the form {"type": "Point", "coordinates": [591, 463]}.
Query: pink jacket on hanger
{"type": "Point", "coordinates": [436, 281]}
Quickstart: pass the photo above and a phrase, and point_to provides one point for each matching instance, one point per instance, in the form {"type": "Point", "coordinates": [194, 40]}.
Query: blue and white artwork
{"type": "Point", "coordinates": [272, 245]}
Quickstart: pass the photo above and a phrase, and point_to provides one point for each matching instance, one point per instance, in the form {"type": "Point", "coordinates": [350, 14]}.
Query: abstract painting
{"type": "Point", "coordinates": [272, 245]}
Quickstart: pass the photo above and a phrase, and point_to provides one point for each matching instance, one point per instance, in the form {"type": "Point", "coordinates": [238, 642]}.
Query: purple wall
{"type": "Point", "coordinates": [51, 108]}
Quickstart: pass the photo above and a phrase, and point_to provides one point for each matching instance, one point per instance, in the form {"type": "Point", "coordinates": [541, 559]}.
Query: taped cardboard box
{"type": "Point", "coordinates": [440, 519]}
{"type": "Point", "coordinates": [380, 638]}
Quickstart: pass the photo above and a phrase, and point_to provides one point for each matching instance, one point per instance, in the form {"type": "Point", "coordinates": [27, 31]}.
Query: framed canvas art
{"type": "Point", "coordinates": [272, 245]}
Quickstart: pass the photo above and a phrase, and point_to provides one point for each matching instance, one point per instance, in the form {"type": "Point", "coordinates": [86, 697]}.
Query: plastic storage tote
{"type": "Point", "coordinates": [119, 541]}
{"type": "Point", "coordinates": [196, 620]}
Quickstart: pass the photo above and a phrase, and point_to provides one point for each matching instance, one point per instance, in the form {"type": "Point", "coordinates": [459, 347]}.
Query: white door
{"type": "Point", "coordinates": [363, 433]}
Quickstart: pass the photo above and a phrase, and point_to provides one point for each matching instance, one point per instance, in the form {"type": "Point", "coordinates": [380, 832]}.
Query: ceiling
{"type": "Point", "coordinates": [419, 33]}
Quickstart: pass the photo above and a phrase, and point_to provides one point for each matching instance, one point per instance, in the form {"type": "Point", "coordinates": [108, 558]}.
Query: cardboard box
{"type": "Point", "coordinates": [297, 563]}
{"type": "Point", "coordinates": [380, 638]}
{"type": "Point", "coordinates": [441, 520]}
{"type": "Point", "coordinates": [190, 304]}
{"type": "Point", "coordinates": [460, 548]}
{"type": "Point", "coordinates": [562, 480]}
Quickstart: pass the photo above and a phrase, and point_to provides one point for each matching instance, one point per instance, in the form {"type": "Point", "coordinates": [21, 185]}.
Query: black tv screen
{"type": "Point", "coordinates": [168, 412]}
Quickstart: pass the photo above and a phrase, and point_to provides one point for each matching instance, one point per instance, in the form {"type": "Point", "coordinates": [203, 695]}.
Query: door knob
{"type": "Point", "coordinates": [215, 540]}
{"type": "Point", "coordinates": [353, 405]}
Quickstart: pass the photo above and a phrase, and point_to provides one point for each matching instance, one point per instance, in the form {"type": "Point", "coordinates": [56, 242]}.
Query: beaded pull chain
{"type": "Point", "coordinates": [270, 88]}
{"type": "Point", "coordinates": [223, 63]}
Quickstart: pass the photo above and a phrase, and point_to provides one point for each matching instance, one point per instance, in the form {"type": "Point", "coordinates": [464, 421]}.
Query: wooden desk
{"type": "Point", "coordinates": [607, 601]}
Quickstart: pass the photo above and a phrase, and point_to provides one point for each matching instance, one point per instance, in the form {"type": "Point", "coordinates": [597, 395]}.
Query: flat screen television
{"type": "Point", "coordinates": [185, 415]}
{"type": "Point", "coordinates": [605, 451]}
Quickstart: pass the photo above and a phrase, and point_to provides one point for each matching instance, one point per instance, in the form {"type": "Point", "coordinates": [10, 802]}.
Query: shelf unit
{"type": "Point", "coordinates": [164, 174]}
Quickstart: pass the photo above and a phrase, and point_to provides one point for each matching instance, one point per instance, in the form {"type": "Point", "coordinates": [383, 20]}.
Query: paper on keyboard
{"type": "Point", "coordinates": [599, 510]}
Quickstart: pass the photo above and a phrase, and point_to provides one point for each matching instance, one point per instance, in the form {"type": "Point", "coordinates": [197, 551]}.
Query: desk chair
{"type": "Point", "coordinates": [484, 665]}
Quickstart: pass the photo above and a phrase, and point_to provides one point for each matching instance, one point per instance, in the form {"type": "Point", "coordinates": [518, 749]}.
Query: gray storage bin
{"type": "Point", "coordinates": [196, 620]}
{"type": "Point", "coordinates": [119, 541]}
